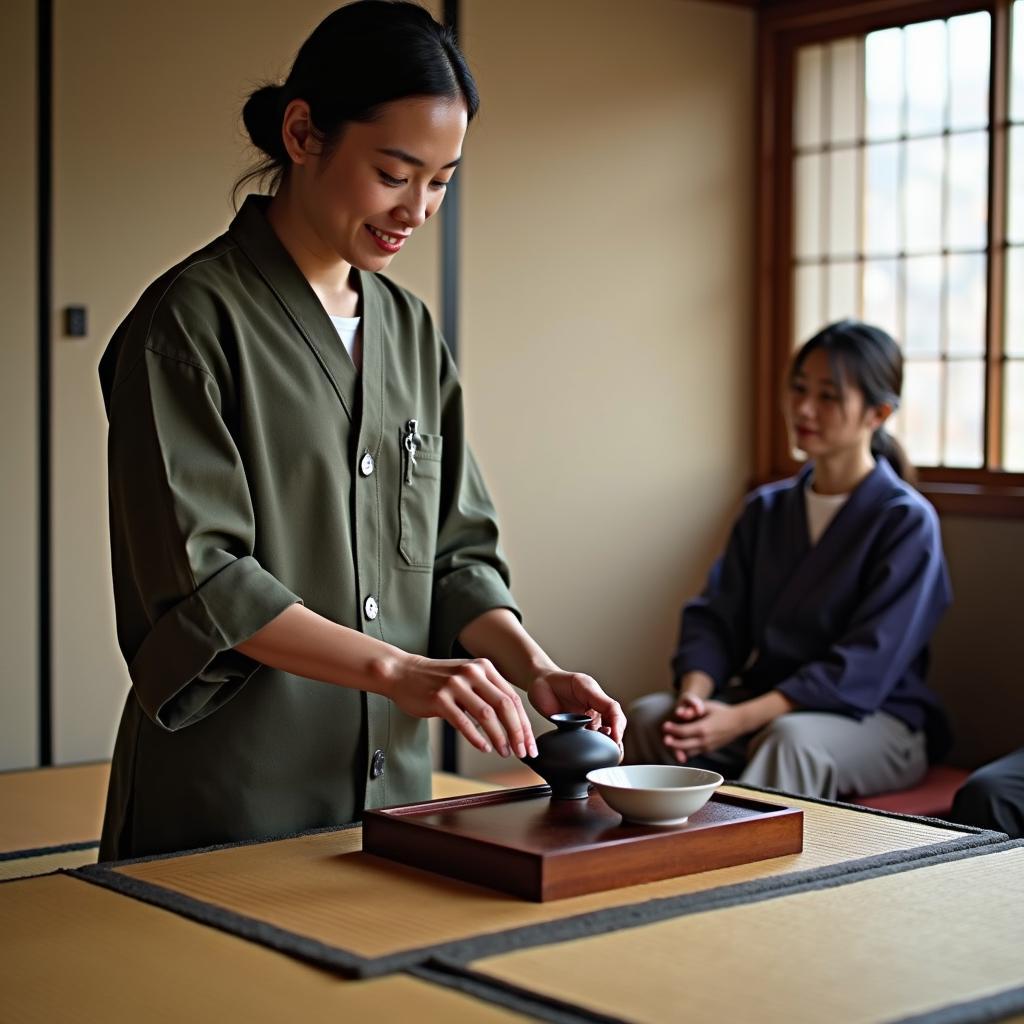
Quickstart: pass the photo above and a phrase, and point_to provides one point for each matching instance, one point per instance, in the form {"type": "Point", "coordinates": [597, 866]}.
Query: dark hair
{"type": "Point", "coordinates": [870, 359]}
{"type": "Point", "coordinates": [358, 58]}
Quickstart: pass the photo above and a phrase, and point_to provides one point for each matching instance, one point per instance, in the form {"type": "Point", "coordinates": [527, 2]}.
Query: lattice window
{"type": "Point", "coordinates": [895, 194]}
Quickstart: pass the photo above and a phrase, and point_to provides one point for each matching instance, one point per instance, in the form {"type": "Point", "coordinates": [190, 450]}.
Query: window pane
{"type": "Point", "coordinates": [807, 199]}
{"type": "Point", "coordinates": [1013, 417]}
{"type": "Point", "coordinates": [1015, 220]}
{"type": "Point", "coordinates": [923, 333]}
{"type": "Point", "coordinates": [807, 302]}
{"type": "Point", "coordinates": [881, 295]}
{"type": "Point", "coordinates": [883, 83]}
{"type": "Point", "coordinates": [926, 77]}
{"type": "Point", "coordinates": [967, 226]}
{"type": "Point", "coordinates": [923, 194]}
{"type": "Point", "coordinates": [965, 407]}
{"type": "Point", "coordinates": [842, 201]}
{"type": "Point", "coordinates": [1017, 63]}
{"type": "Point", "coordinates": [844, 58]}
{"type": "Point", "coordinates": [969, 50]}
{"type": "Point", "coordinates": [966, 286]}
{"type": "Point", "coordinates": [842, 291]}
{"type": "Point", "coordinates": [881, 199]}
{"type": "Point", "coordinates": [919, 418]}
{"type": "Point", "coordinates": [1014, 340]}
{"type": "Point", "coordinates": [807, 118]}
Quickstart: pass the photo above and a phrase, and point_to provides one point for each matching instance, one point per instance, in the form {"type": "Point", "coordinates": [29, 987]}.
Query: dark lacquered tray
{"type": "Point", "coordinates": [521, 842]}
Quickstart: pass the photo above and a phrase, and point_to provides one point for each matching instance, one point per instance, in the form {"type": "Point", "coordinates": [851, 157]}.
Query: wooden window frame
{"type": "Point", "coordinates": [783, 27]}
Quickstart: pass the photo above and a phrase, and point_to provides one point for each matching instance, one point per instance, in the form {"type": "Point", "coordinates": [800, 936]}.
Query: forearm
{"type": "Point", "coordinates": [306, 644]}
{"type": "Point", "coordinates": [696, 684]}
{"type": "Point", "coordinates": [500, 637]}
{"type": "Point", "coordinates": [759, 711]}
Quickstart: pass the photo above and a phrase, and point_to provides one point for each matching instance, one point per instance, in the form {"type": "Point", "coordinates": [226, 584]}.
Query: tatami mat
{"type": "Point", "coordinates": [44, 808]}
{"type": "Point", "coordinates": [444, 785]}
{"type": "Point", "coordinates": [72, 951]}
{"type": "Point", "coordinates": [319, 897]}
{"type": "Point", "coordinates": [42, 864]}
{"type": "Point", "coordinates": [944, 942]}
{"type": "Point", "coordinates": [44, 804]}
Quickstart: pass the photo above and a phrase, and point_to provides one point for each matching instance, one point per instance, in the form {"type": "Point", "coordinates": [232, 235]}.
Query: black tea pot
{"type": "Point", "coordinates": [568, 752]}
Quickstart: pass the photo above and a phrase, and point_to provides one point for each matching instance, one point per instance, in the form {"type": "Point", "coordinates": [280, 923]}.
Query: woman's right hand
{"type": "Point", "coordinates": [694, 690]}
{"type": "Point", "coordinates": [690, 707]}
{"type": "Point", "coordinates": [469, 694]}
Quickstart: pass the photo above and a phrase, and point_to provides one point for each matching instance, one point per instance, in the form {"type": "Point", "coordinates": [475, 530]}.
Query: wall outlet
{"type": "Point", "coordinates": [75, 322]}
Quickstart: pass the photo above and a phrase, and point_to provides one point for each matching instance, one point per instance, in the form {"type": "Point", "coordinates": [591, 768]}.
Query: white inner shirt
{"type": "Point", "coordinates": [351, 337]}
{"type": "Point", "coordinates": [821, 510]}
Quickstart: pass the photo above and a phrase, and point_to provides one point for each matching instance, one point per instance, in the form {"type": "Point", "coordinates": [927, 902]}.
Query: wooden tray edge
{"type": "Point", "coordinates": [540, 878]}
{"type": "Point", "coordinates": [445, 803]}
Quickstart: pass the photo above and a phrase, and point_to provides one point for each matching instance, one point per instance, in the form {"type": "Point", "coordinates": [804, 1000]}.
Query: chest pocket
{"type": "Point", "coordinates": [420, 499]}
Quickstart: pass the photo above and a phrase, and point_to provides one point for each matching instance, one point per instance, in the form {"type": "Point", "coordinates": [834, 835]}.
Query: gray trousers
{"type": "Point", "coordinates": [812, 753]}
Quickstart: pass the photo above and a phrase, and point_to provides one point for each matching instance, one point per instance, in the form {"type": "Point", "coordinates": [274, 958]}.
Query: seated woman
{"type": "Point", "coordinates": [802, 665]}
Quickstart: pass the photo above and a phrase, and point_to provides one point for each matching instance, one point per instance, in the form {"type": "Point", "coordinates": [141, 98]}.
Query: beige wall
{"type": "Point", "coordinates": [608, 234]}
{"type": "Point", "coordinates": [19, 589]}
{"type": "Point", "coordinates": [147, 145]}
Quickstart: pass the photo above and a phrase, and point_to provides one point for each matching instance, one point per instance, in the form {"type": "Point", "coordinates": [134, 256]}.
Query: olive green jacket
{"type": "Point", "coordinates": [252, 467]}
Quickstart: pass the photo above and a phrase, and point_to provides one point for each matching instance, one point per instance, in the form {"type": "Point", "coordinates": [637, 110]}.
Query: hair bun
{"type": "Point", "coordinates": [262, 115]}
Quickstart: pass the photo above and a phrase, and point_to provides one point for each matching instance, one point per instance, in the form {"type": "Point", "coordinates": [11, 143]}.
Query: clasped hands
{"type": "Point", "coordinates": [700, 726]}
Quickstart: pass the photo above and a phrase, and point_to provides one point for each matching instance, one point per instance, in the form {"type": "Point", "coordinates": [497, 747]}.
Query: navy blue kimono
{"type": "Point", "coordinates": [842, 626]}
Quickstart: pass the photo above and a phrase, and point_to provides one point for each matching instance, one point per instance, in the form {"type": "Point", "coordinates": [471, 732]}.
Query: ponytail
{"type": "Point", "coordinates": [883, 443]}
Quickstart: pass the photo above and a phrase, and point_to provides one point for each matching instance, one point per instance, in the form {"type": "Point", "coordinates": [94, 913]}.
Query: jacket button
{"type": "Point", "coordinates": [366, 465]}
{"type": "Point", "coordinates": [377, 764]}
{"type": "Point", "coordinates": [370, 608]}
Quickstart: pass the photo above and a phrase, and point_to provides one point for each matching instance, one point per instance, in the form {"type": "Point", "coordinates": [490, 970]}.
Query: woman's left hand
{"type": "Point", "coordinates": [554, 691]}
{"type": "Point", "coordinates": [719, 725]}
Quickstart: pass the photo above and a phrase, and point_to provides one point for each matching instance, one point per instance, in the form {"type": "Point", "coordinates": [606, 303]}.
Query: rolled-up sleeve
{"type": "Point", "coordinates": [470, 573]}
{"type": "Point", "coordinates": [187, 585]}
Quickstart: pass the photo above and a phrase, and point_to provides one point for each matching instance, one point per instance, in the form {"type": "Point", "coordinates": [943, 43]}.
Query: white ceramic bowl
{"type": "Point", "coordinates": [655, 794]}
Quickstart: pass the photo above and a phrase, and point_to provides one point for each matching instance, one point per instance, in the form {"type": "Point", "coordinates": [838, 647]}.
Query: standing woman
{"type": "Point", "coordinates": [302, 543]}
{"type": "Point", "coordinates": [802, 665]}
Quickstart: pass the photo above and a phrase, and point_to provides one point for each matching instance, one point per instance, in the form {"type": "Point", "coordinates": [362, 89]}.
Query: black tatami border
{"type": "Point", "coordinates": [459, 975]}
{"type": "Point", "coordinates": [46, 851]}
{"type": "Point", "coordinates": [859, 808]}
{"type": "Point", "coordinates": [509, 997]}
{"type": "Point", "coordinates": [983, 1010]}
{"type": "Point", "coordinates": [458, 955]}
{"type": "Point", "coordinates": [452, 954]}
